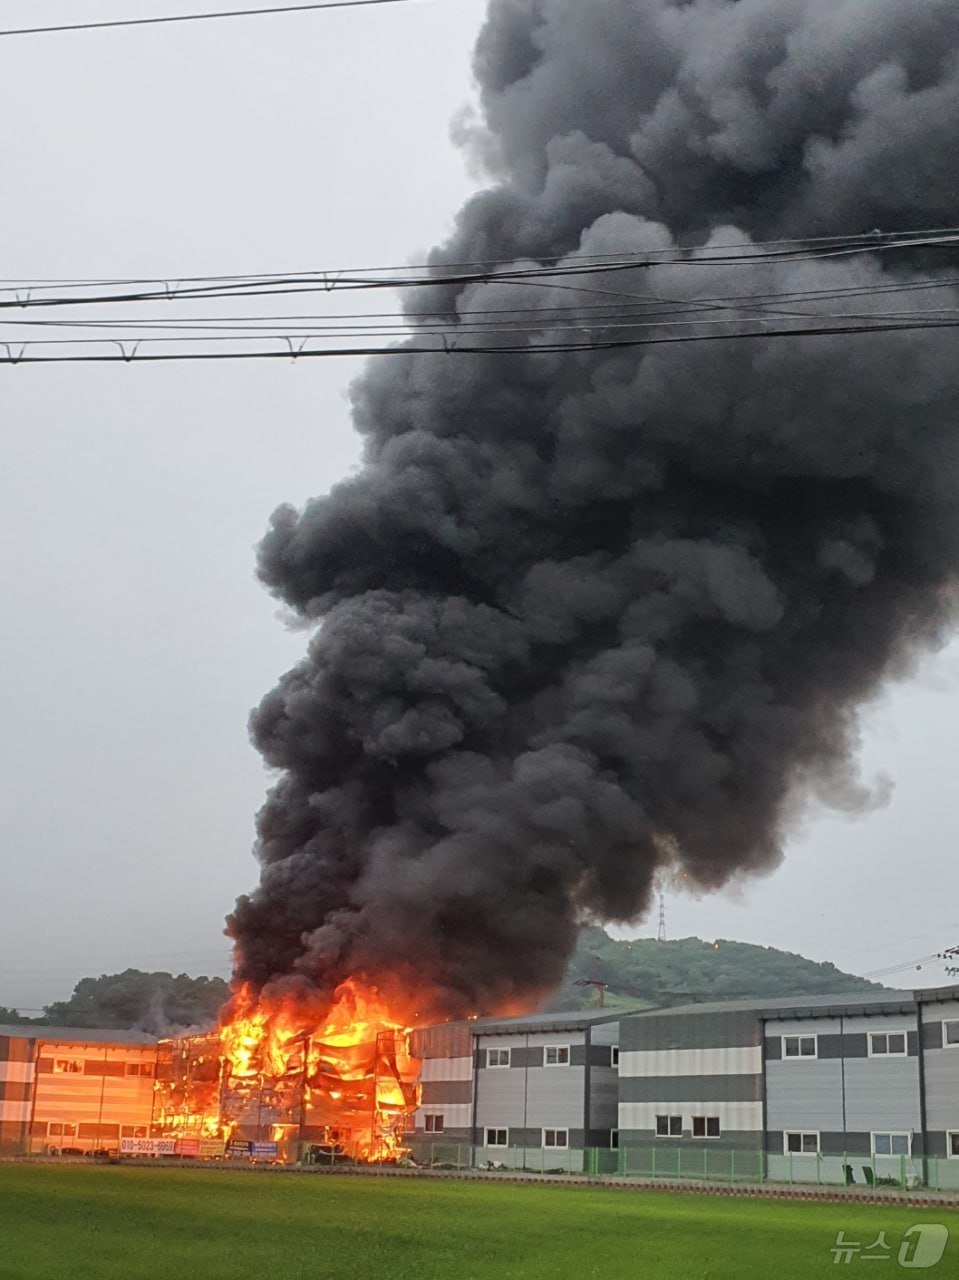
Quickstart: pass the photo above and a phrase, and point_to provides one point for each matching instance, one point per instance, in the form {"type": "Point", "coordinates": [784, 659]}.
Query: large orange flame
{"type": "Point", "coordinates": [341, 1076]}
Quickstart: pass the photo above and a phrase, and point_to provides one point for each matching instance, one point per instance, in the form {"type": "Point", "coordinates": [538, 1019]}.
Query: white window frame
{"type": "Point", "coordinates": [799, 1037]}
{"type": "Point", "coordinates": [801, 1134]}
{"type": "Point", "coordinates": [669, 1126]}
{"type": "Point", "coordinates": [950, 1134]}
{"type": "Point", "coordinates": [498, 1066]}
{"type": "Point", "coordinates": [555, 1145]}
{"type": "Point", "coordinates": [614, 1055]}
{"type": "Point", "coordinates": [614, 1139]}
{"type": "Point", "coordinates": [946, 1042]}
{"type": "Point", "coordinates": [706, 1136]}
{"type": "Point", "coordinates": [890, 1134]}
{"type": "Point", "coordinates": [429, 1121]}
{"type": "Point", "coordinates": [557, 1049]}
{"type": "Point", "coordinates": [496, 1130]}
{"type": "Point", "coordinates": [887, 1052]}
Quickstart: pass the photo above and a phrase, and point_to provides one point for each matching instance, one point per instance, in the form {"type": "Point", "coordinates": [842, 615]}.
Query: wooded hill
{"type": "Point", "coordinates": [691, 971]}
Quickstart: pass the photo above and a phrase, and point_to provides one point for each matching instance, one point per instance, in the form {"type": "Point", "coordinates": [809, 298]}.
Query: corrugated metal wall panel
{"type": "Point", "coordinates": [804, 1094]}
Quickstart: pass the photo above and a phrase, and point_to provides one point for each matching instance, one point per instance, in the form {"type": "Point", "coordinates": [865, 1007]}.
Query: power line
{"type": "Point", "coordinates": [865, 240]}
{"type": "Point", "coordinates": [199, 17]}
{"type": "Point", "coordinates": [129, 352]}
{"type": "Point", "coordinates": [330, 280]}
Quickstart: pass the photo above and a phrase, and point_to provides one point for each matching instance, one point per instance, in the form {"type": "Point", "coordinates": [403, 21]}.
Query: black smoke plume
{"type": "Point", "coordinates": [589, 617]}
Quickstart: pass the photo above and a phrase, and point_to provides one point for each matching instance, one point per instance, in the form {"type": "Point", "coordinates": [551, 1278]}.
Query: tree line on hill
{"type": "Point", "coordinates": [158, 1003]}
{"type": "Point", "coordinates": [636, 972]}
{"type": "Point", "coordinates": [644, 971]}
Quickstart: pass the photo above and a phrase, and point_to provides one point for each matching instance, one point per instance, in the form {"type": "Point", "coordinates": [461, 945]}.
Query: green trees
{"type": "Point", "coordinates": [153, 1002]}
{"type": "Point", "coordinates": [690, 970]}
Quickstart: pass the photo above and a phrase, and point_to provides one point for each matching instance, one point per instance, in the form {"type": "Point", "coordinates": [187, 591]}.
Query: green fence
{"type": "Point", "coordinates": [687, 1163]}
{"type": "Point", "coordinates": [708, 1164]}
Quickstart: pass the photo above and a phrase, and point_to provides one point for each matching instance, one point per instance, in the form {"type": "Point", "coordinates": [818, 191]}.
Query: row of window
{"type": "Point", "coordinates": [882, 1044]}
{"type": "Point", "coordinates": [700, 1127]}
{"type": "Point", "coordinates": [66, 1129]}
{"type": "Point", "coordinates": [554, 1055]}
{"type": "Point", "coordinates": [806, 1143]}
{"type": "Point", "coordinates": [551, 1138]}
{"type": "Point", "coordinates": [95, 1067]}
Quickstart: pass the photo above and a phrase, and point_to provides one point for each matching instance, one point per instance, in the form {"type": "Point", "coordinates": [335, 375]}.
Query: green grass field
{"type": "Point", "coordinates": [75, 1223]}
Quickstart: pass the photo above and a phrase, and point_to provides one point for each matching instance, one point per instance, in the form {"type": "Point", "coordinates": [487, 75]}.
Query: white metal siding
{"type": "Point", "coordinates": [741, 1060]}
{"type": "Point", "coordinates": [446, 1069]}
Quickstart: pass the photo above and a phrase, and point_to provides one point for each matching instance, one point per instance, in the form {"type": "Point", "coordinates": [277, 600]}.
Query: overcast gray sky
{"type": "Point", "coordinates": [135, 637]}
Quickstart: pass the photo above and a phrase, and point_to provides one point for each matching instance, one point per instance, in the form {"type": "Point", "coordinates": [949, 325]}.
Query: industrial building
{"type": "Point", "coordinates": [536, 1091]}
{"type": "Point", "coordinates": [857, 1090]}
{"type": "Point", "coordinates": [73, 1091]}
{"type": "Point", "coordinates": [811, 1089]}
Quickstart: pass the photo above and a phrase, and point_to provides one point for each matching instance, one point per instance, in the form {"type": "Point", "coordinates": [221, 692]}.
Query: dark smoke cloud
{"type": "Point", "coordinates": [586, 617]}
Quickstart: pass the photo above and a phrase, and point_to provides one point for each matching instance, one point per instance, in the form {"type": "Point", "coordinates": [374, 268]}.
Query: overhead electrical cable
{"type": "Point", "coordinates": [165, 19]}
{"type": "Point", "coordinates": [129, 352]}
{"type": "Point", "coordinates": [336, 280]}
{"type": "Point", "coordinates": [867, 240]}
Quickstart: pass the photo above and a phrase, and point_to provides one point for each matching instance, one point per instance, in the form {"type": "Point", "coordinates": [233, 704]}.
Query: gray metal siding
{"type": "Point", "coordinates": [689, 1031]}
{"type": "Point", "coordinates": [604, 1098]}
{"type": "Point", "coordinates": [882, 1095]}
{"type": "Point", "coordinates": [439, 1092]}
{"type": "Point", "coordinates": [449, 1040]}
{"type": "Point", "coordinates": [804, 1094]}
{"type": "Point", "coordinates": [555, 1097]}
{"type": "Point", "coordinates": [500, 1098]}
{"type": "Point", "coordinates": [942, 1088]}
{"type": "Point", "coordinates": [669, 1089]}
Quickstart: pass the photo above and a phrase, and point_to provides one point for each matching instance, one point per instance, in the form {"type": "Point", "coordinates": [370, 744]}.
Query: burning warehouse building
{"type": "Point", "coordinates": [347, 1085]}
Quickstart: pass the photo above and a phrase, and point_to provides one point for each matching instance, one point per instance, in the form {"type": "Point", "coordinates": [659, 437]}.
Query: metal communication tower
{"type": "Point", "coordinates": [662, 918]}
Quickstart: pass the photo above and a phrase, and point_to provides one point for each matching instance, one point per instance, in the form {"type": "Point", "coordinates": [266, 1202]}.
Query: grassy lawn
{"type": "Point", "coordinates": [75, 1223]}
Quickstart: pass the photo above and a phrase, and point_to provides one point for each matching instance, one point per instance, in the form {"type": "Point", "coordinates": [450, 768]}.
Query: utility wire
{"type": "Point", "coordinates": [129, 352]}
{"type": "Point", "coordinates": [332, 280]}
{"type": "Point", "coordinates": [866, 240]}
{"type": "Point", "coordinates": [199, 17]}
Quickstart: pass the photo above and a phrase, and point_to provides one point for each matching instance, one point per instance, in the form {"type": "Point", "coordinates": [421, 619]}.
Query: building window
{"type": "Point", "coordinates": [952, 1144]}
{"type": "Point", "coordinates": [58, 1129]}
{"type": "Point", "coordinates": [669, 1126]}
{"type": "Point", "coordinates": [887, 1044]}
{"type": "Point", "coordinates": [950, 1033]}
{"type": "Point", "coordinates": [556, 1138]}
{"type": "Point", "coordinates": [497, 1057]}
{"type": "Point", "coordinates": [614, 1140]}
{"type": "Point", "coordinates": [497, 1137]}
{"type": "Point", "coordinates": [140, 1069]}
{"type": "Point", "coordinates": [614, 1056]}
{"type": "Point", "coordinates": [67, 1066]}
{"type": "Point", "coordinates": [891, 1144]}
{"type": "Point", "coordinates": [706, 1126]}
{"type": "Point", "coordinates": [134, 1131]}
{"type": "Point", "coordinates": [434, 1123]}
{"type": "Point", "coordinates": [801, 1144]}
{"type": "Point", "coordinates": [557, 1055]}
{"type": "Point", "coordinates": [800, 1047]}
